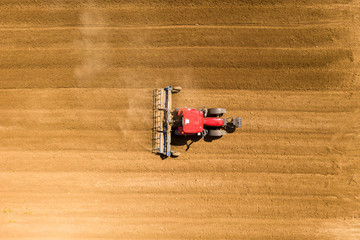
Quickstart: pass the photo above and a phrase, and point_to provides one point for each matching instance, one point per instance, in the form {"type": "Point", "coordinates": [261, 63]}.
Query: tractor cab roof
{"type": "Point", "coordinates": [192, 120]}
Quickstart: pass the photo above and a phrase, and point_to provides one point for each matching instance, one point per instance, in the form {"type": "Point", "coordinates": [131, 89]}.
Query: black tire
{"type": "Point", "coordinates": [216, 111]}
{"type": "Point", "coordinates": [175, 154]}
{"type": "Point", "coordinates": [176, 89]}
{"type": "Point", "coordinates": [216, 133]}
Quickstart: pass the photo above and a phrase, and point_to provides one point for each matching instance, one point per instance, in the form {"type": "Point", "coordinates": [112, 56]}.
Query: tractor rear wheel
{"type": "Point", "coordinates": [176, 89]}
{"type": "Point", "coordinates": [216, 111]}
{"type": "Point", "coordinates": [216, 133]}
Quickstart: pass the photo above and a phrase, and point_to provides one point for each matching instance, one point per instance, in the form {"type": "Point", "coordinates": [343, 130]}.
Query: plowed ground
{"type": "Point", "coordinates": [76, 80]}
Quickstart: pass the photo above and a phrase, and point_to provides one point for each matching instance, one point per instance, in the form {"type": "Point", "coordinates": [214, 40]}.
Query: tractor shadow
{"type": "Point", "coordinates": [188, 141]}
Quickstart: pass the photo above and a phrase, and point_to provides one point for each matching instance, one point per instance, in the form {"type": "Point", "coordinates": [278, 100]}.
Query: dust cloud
{"type": "Point", "coordinates": [93, 58]}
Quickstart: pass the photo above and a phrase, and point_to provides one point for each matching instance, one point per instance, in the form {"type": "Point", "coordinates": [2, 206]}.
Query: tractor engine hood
{"type": "Point", "coordinates": [214, 121]}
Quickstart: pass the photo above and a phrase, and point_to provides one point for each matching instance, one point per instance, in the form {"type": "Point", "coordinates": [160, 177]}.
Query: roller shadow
{"type": "Point", "coordinates": [177, 140]}
{"type": "Point", "coordinates": [210, 138]}
{"type": "Point", "coordinates": [188, 141]}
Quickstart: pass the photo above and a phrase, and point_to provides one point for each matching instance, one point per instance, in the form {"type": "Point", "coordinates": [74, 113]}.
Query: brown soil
{"type": "Point", "coordinates": [76, 80]}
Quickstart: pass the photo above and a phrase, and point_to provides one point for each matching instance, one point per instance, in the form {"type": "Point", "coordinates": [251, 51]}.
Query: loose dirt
{"type": "Point", "coordinates": [76, 80]}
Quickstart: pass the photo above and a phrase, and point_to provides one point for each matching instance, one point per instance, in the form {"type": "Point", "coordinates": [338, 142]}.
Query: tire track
{"type": "Point", "coordinates": [157, 3]}
{"type": "Point", "coordinates": [335, 79]}
{"type": "Point", "coordinates": [194, 57]}
{"type": "Point", "coordinates": [183, 15]}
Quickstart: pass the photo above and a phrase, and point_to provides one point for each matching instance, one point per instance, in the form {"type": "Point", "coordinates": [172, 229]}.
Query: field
{"type": "Point", "coordinates": [76, 80]}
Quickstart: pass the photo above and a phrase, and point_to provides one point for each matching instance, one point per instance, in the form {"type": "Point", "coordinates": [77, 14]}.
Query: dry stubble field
{"type": "Point", "coordinates": [76, 81]}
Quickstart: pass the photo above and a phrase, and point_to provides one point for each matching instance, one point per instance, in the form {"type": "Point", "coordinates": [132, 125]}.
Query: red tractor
{"type": "Point", "coordinates": [185, 121]}
{"type": "Point", "coordinates": [204, 122]}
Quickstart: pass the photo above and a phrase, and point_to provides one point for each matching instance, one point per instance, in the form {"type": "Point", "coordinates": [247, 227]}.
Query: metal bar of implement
{"type": "Point", "coordinates": [157, 146]}
{"type": "Point", "coordinates": [161, 137]}
{"type": "Point", "coordinates": [168, 119]}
